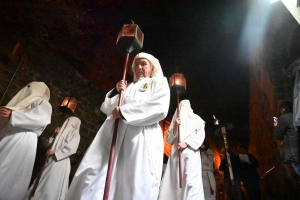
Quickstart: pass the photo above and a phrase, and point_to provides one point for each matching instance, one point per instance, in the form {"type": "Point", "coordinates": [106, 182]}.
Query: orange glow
{"type": "Point", "coordinates": [167, 147]}
{"type": "Point", "coordinates": [177, 80]}
{"type": "Point", "coordinates": [217, 160]}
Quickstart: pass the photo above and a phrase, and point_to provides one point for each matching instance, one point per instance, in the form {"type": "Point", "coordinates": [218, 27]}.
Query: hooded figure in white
{"type": "Point", "coordinates": [192, 136]}
{"type": "Point", "coordinates": [54, 181]}
{"type": "Point", "coordinates": [139, 147]}
{"type": "Point", "coordinates": [29, 114]}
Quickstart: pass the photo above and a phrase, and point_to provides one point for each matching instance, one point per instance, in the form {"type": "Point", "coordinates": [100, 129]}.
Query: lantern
{"type": "Point", "coordinates": [130, 39]}
{"type": "Point", "coordinates": [177, 84]}
{"type": "Point", "coordinates": [68, 105]}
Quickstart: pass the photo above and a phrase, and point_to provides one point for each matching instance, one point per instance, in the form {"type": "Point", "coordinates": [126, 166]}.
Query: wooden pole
{"type": "Point", "coordinates": [223, 129]}
{"type": "Point", "coordinates": [13, 74]}
{"type": "Point", "coordinates": [179, 152]}
{"type": "Point", "coordinates": [113, 142]}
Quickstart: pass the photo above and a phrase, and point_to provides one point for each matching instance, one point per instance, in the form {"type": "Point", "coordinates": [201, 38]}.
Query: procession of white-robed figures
{"type": "Point", "coordinates": [138, 159]}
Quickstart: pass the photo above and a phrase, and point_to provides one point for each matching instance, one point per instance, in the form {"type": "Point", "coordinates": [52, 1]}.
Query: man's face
{"type": "Point", "coordinates": [142, 68]}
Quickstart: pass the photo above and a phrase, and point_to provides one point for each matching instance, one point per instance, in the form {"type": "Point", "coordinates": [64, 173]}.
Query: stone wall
{"type": "Point", "coordinates": [62, 80]}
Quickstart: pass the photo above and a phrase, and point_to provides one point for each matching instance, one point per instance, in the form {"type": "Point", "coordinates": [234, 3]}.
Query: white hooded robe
{"type": "Point", "coordinates": [18, 139]}
{"type": "Point", "coordinates": [192, 133]}
{"type": "Point", "coordinates": [54, 181]}
{"type": "Point", "coordinates": [139, 146]}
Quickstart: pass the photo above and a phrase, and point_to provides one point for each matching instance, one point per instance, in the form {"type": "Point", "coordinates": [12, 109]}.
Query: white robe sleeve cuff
{"type": "Point", "coordinates": [109, 104]}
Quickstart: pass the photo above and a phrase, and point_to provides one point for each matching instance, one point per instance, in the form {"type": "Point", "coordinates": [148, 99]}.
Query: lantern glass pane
{"type": "Point", "coordinates": [72, 104]}
{"type": "Point", "coordinates": [65, 101]}
{"type": "Point", "coordinates": [178, 79]}
{"type": "Point", "coordinates": [129, 30]}
{"type": "Point", "coordinates": [171, 80]}
{"type": "Point", "coordinates": [140, 36]}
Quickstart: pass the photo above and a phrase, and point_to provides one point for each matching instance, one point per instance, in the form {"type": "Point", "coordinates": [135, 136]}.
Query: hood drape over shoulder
{"type": "Point", "coordinates": [22, 101]}
{"type": "Point", "coordinates": [190, 122]}
{"type": "Point", "coordinates": [68, 130]}
{"type": "Point", "coordinates": [27, 95]}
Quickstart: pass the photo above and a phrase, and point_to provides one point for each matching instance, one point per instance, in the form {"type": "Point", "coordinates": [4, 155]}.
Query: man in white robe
{"type": "Point", "coordinates": [54, 181]}
{"type": "Point", "coordinates": [192, 136]}
{"type": "Point", "coordinates": [208, 177]}
{"type": "Point", "coordinates": [139, 146]}
{"type": "Point", "coordinates": [22, 121]}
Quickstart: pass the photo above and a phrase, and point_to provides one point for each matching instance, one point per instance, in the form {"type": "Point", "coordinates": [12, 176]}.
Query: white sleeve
{"type": "Point", "coordinates": [109, 104]}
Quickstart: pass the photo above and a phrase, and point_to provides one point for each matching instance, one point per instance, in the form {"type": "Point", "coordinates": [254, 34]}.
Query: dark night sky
{"type": "Point", "coordinates": [203, 39]}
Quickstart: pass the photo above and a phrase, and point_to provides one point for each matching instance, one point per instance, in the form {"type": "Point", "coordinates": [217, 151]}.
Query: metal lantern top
{"type": "Point", "coordinates": [130, 39]}
{"type": "Point", "coordinates": [177, 84]}
{"type": "Point", "coordinates": [68, 105]}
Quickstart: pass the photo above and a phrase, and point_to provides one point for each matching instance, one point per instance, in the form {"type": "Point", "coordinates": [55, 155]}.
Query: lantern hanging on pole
{"type": "Point", "coordinates": [177, 85]}
{"type": "Point", "coordinates": [129, 41]}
